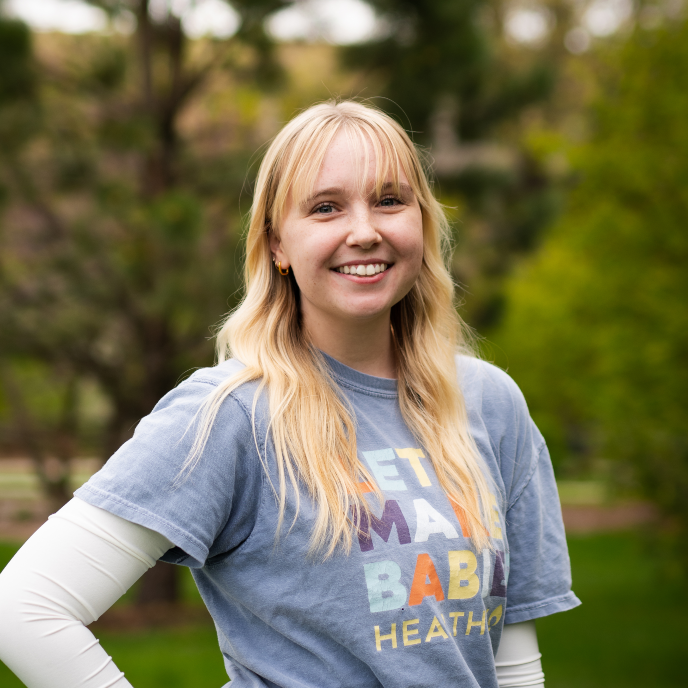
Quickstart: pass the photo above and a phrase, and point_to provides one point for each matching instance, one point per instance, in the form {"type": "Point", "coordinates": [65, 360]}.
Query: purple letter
{"type": "Point", "coordinates": [391, 515]}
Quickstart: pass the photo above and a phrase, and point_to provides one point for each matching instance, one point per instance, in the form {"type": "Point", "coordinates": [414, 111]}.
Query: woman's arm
{"type": "Point", "coordinates": [66, 575]}
{"type": "Point", "coordinates": [518, 657]}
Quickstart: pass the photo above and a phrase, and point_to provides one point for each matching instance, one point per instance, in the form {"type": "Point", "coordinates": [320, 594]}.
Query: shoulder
{"type": "Point", "coordinates": [188, 398]}
{"type": "Point", "coordinates": [215, 375]}
{"type": "Point", "coordinates": [488, 386]}
{"type": "Point", "coordinates": [499, 418]}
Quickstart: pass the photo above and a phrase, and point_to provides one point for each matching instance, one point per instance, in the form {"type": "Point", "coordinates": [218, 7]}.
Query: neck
{"type": "Point", "coordinates": [364, 345]}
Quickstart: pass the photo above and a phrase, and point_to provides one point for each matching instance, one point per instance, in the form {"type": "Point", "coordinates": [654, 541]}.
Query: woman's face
{"type": "Point", "coordinates": [353, 255]}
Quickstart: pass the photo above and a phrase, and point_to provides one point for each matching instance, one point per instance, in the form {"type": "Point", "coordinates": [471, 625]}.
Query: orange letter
{"type": "Point", "coordinates": [463, 521]}
{"type": "Point", "coordinates": [425, 581]}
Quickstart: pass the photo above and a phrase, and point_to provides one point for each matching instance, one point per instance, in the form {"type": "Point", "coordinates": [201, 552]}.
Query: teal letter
{"type": "Point", "coordinates": [383, 577]}
{"type": "Point", "coordinates": [383, 473]}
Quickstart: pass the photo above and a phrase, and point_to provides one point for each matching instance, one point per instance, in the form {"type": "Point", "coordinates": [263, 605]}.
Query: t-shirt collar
{"type": "Point", "coordinates": [359, 380]}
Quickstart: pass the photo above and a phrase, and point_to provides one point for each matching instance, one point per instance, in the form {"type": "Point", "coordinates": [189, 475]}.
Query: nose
{"type": "Point", "coordinates": [362, 230]}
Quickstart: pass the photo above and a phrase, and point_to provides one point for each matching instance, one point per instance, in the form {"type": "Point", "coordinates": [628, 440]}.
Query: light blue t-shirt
{"type": "Point", "coordinates": [413, 604]}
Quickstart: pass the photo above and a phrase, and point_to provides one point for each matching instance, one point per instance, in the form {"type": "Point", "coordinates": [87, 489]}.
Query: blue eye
{"type": "Point", "coordinates": [388, 202]}
{"type": "Point", "coordinates": [325, 209]}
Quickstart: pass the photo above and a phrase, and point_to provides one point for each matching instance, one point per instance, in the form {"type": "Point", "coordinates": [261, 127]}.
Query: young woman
{"type": "Point", "coordinates": [361, 502]}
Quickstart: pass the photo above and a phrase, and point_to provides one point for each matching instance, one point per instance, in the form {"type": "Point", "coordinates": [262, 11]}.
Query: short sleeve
{"type": "Point", "coordinates": [540, 571]}
{"type": "Point", "coordinates": [212, 508]}
{"type": "Point", "coordinates": [539, 578]}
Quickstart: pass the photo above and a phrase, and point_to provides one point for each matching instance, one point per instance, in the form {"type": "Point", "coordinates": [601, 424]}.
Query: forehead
{"type": "Point", "coordinates": [353, 160]}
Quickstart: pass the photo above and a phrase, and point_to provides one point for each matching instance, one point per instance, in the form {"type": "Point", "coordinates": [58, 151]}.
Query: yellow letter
{"type": "Point", "coordinates": [495, 530]}
{"type": "Point", "coordinates": [455, 616]}
{"type": "Point", "coordinates": [410, 631]}
{"type": "Point", "coordinates": [414, 456]}
{"type": "Point", "coordinates": [472, 623]}
{"type": "Point", "coordinates": [379, 638]}
{"type": "Point", "coordinates": [462, 566]}
{"type": "Point", "coordinates": [435, 631]}
{"type": "Point", "coordinates": [496, 615]}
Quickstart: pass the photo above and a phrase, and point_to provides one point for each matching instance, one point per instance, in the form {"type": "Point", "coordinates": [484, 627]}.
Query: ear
{"type": "Point", "coordinates": [278, 255]}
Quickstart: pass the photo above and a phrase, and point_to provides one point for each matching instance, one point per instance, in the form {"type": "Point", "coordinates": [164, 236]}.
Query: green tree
{"type": "Point", "coordinates": [597, 327]}
{"type": "Point", "coordinates": [448, 74]}
{"type": "Point", "coordinates": [119, 236]}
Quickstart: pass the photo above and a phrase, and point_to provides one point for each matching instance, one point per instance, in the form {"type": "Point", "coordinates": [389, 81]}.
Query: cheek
{"type": "Point", "coordinates": [411, 243]}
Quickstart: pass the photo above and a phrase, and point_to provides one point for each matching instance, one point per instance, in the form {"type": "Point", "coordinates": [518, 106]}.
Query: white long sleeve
{"type": "Point", "coordinates": [65, 577]}
{"type": "Point", "coordinates": [518, 658]}
{"type": "Point", "coordinates": [83, 560]}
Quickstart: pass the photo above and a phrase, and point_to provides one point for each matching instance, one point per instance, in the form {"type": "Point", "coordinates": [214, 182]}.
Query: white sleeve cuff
{"type": "Point", "coordinates": [518, 658]}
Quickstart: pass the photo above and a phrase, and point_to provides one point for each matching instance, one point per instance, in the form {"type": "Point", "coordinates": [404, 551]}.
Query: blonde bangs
{"type": "Point", "coordinates": [302, 159]}
{"type": "Point", "coordinates": [310, 420]}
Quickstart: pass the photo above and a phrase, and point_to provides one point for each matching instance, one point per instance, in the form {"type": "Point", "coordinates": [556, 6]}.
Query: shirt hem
{"type": "Point", "coordinates": [553, 605]}
{"type": "Point", "coordinates": [131, 512]}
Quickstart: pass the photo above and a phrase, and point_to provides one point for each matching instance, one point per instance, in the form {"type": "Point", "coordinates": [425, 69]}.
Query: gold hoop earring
{"type": "Point", "coordinates": [282, 272]}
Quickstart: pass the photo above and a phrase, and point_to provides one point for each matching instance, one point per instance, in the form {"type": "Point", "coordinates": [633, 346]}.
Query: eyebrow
{"type": "Point", "coordinates": [405, 190]}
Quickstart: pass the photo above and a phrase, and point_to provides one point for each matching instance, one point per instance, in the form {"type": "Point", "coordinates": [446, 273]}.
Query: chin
{"type": "Point", "coordinates": [365, 313]}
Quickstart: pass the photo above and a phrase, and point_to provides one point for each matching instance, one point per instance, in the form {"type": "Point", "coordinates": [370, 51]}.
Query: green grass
{"type": "Point", "coordinates": [628, 633]}
{"type": "Point", "coordinates": [187, 658]}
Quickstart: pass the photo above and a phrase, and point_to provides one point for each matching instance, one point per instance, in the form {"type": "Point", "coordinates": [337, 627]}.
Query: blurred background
{"type": "Point", "coordinates": [130, 135]}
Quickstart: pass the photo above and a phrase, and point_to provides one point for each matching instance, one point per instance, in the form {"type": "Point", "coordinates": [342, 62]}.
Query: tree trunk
{"type": "Point", "coordinates": [56, 488]}
{"type": "Point", "coordinates": [159, 584]}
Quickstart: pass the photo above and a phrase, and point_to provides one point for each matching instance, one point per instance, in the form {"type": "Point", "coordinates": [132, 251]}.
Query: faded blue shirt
{"type": "Point", "coordinates": [413, 604]}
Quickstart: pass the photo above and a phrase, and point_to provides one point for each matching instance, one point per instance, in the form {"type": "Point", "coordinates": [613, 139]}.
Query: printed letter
{"type": "Point", "coordinates": [429, 521]}
{"type": "Point", "coordinates": [461, 516]}
{"type": "Point", "coordinates": [426, 582]}
{"type": "Point", "coordinates": [472, 623]}
{"type": "Point", "coordinates": [385, 592]}
{"type": "Point", "coordinates": [494, 618]}
{"type": "Point", "coordinates": [495, 529]}
{"type": "Point", "coordinates": [391, 515]}
{"type": "Point", "coordinates": [408, 632]}
{"type": "Point", "coordinates": [435, 631]}
{"type": "Point", "coordinates": [487, 565]}
{"type": "Point", "coordinates": [455, 616]}
{"type": "Point", "coordinates": [463, 582]}
{"type": "Point", "coordinates": [499, 577]}
{"type": "Point", "coordinates": [414, 456]}
{"type": "Point", "coordinates": [390, 636]}
{"type": "Point", "coordinates": [384, 473]}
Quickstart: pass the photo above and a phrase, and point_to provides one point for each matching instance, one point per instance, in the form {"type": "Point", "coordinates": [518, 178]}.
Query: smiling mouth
{"type": "Point", "coordinates": [363, 270]}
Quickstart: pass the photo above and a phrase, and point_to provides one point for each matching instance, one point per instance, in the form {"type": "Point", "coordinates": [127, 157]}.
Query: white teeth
{"type": "Point", "coordinates": [365, 270]}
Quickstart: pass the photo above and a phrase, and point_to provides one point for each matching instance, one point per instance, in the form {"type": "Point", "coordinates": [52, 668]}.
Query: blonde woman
{"type": "Point", "coordinates": [361, 502]}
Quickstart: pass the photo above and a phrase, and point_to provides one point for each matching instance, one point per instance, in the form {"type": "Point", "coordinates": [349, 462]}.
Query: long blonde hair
{"type": "Point", "coordinates": [311, 424]}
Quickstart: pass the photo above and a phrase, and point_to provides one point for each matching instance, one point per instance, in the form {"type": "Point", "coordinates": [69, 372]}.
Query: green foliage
{"type": "Point", "coordinates": [597, 327]}
{"type": "Point", "coordinates": [119, 242]}
{"type": "Point", "coordinates": [17, 77]}
{"type": "Point", "coordinates": [7, 551]}
{"type": "Point", "coordinates": [441, 48]}
{"type": "Point", "coordinates": [447, 76]}
{"type": "Point", "coordinates": [18, 82]}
